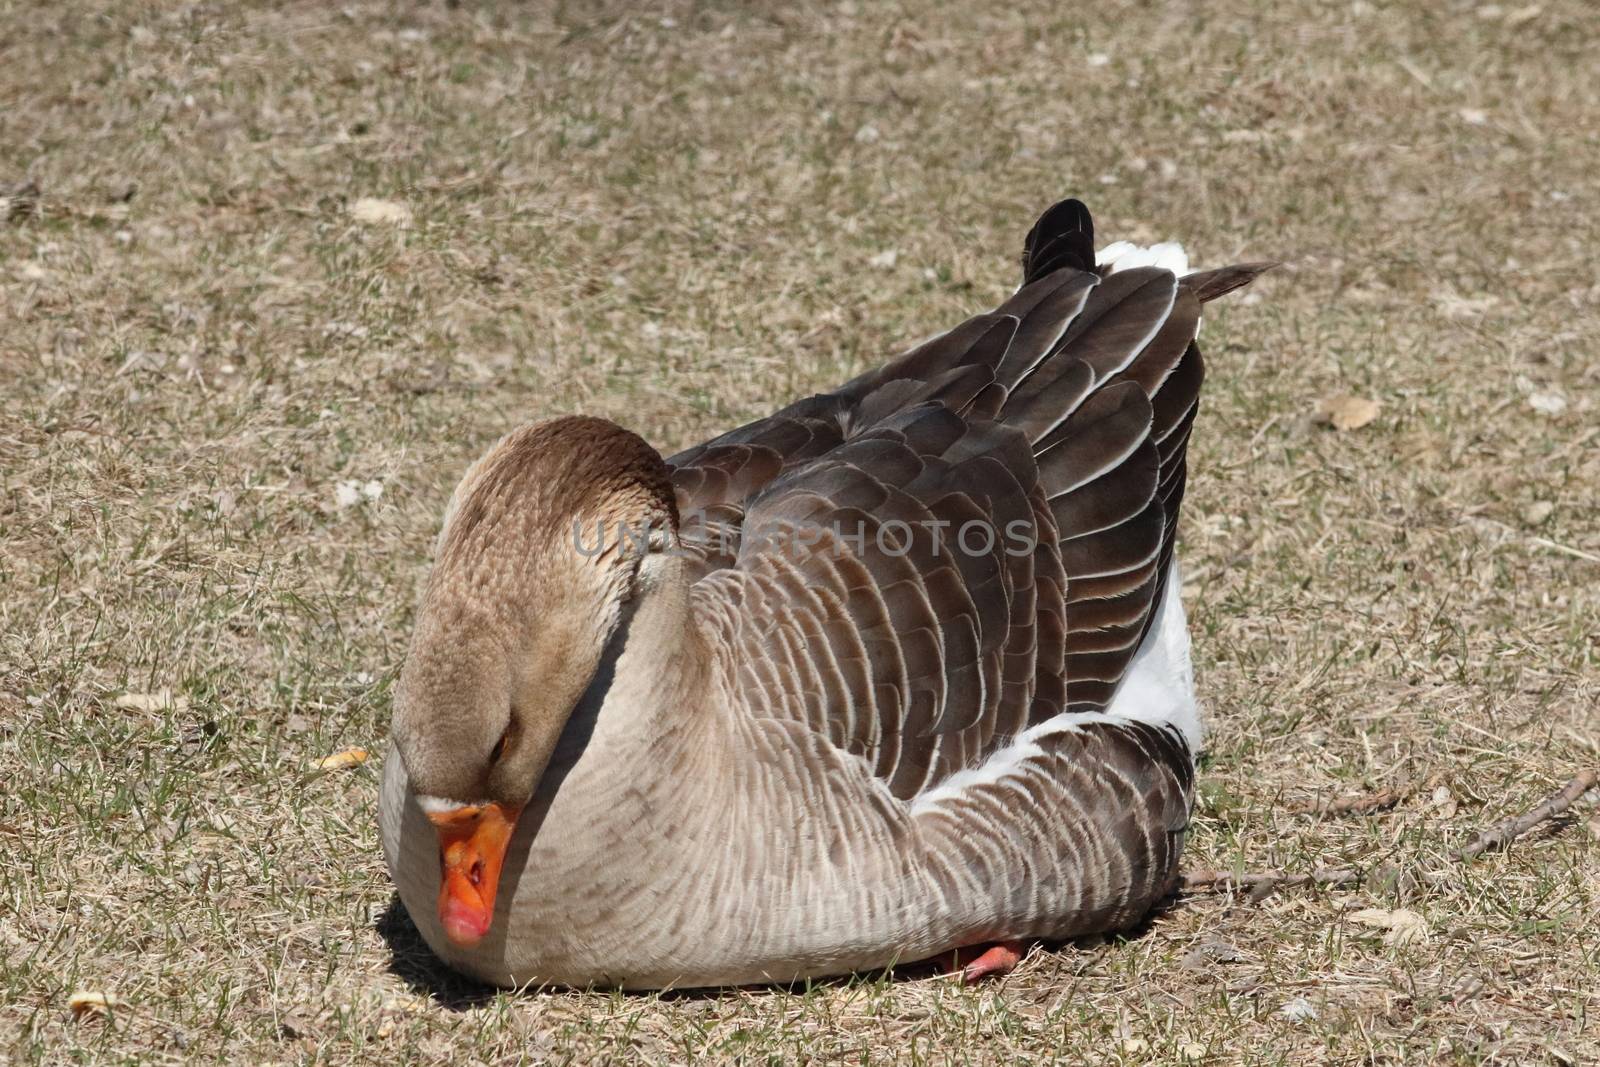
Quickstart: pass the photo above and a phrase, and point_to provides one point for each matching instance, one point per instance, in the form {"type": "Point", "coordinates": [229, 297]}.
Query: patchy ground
{"type": "Point", "coordinates": [282, 270]}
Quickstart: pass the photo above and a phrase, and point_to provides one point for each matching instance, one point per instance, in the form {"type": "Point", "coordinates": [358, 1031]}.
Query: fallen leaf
{"type": "Point", "coordinates": [350, 757]}
{"type": "Point", "coordinates": [1345, 413]}
{"type": "Point", "coordinates": [1454, 305]}
{"type": "Point", "coordinates": [87, 1002]}
{"type": "Point", "coordinates": [161, 700]}
{"type": "Point", "coordinates": [373, 211]}
{"type": "Point", "coordinates": [1561, 1055]}
{"type": "Point", "coordinates": [403, 1005]}
{"type": "Point", "coordinates": [1208, 953]}
{"type": "Point", "coordinates": [1402, 926]}
{"type": "Point", "coordinates": [1548, 403]}
{"type": "Point", "coordinates": [1298, 1010]}
{"type": "Point", "coordinates": [346, 495]}
{"type": "Point", "coordinates": [1536, 512]}
{"type": "Point", "coordinates": [1444, 802]}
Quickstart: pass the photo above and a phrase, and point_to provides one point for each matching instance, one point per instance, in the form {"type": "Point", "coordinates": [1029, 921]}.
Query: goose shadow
{"type": "Point", "coordinates": [413, 962]}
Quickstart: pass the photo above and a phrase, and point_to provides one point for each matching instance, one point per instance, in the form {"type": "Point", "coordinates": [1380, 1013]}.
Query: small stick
{"type": "Point", "coordinates": [1506, 831]}
{"type": "Point", "coordinates": [1260, 885]}
{"type": "Point", "coordinates": [1360, 804]}
{"type": "Point", "coordinates": [1227, 881]}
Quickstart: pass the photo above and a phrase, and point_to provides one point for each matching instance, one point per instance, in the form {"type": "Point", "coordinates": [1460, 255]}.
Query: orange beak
{"type": "Point", "coordinates": [472, 848]}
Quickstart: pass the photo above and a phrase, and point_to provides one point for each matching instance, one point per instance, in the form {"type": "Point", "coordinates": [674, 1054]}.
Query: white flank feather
{"type": "Point", "coordinates": [1158, 689]}
{"type": "Point", "coordinates": [1159, 685]}
{"type": "Point", "coordinates": [1125, 255]}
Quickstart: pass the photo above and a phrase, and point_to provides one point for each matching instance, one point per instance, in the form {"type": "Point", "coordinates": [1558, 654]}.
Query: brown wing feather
{"type": "Point", "coordinates": [1064, 414]}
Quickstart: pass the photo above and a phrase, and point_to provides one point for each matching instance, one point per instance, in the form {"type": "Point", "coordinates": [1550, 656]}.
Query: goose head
{"type": "Point", "coordinates": [545, 542]}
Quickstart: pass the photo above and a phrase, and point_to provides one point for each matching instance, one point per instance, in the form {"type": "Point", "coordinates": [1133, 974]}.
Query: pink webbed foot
{"type": "Point", "coordinates": [996, 961]}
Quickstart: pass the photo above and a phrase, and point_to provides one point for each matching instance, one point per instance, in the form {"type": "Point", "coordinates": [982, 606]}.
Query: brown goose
{"type": "Point", "coordinates": [899, 669]}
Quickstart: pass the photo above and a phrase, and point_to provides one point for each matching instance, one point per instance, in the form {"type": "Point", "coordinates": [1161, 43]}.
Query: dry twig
{"type": "Point", "coordinates": [1260, 885]}
{"type": "Point", "coordinates": [1504, 832]}
{"type": "Point", "coordinates": [1227, 881]}
{"type": "Point", "coordinates": [1360, 804]}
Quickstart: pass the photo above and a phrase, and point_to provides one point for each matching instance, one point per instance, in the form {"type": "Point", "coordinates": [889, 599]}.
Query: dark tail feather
{"type": "Point", "coordinates": [1210, 284]}
{"type": "Point", "coordinates": [1063, 237]}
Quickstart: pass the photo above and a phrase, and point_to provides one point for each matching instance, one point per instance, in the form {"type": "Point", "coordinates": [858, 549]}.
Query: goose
{"type": "Point", "coordinates": [899, 670]}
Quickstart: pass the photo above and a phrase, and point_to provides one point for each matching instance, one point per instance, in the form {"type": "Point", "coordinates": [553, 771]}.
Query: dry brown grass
{"type": "Point", "coordinates": [671, 217]}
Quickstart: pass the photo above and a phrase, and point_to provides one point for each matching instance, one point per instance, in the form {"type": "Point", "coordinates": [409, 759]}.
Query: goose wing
{"type": "Point", "coordinates": [972, 539]}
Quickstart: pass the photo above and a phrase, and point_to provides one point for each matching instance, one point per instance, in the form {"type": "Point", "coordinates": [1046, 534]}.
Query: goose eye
{"type": "Point", "coordinates": [500, 746]}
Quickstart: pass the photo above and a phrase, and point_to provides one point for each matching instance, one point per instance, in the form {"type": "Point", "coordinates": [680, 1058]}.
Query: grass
{"type": "Point", "coordinates": [676, 215]}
